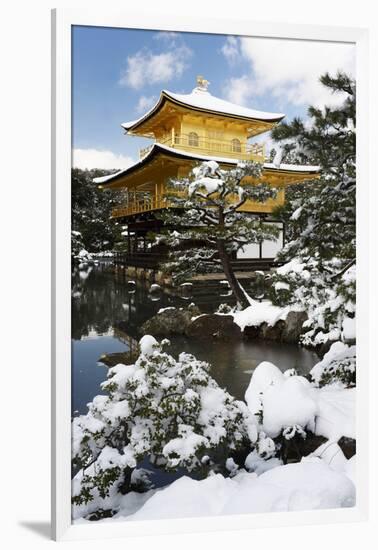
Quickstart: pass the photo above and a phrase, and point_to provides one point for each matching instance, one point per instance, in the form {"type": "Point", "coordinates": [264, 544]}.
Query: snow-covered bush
{"type": "Point", "coordinates": [171, 411]}
{"type": "Point", "coordinates": [337, 365]}
{"type": "Point", "coordinates": [326, 295]}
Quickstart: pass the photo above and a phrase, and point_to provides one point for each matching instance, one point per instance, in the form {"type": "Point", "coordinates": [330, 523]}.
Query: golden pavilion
{"type": "Point", "coordinates": [187, 129]}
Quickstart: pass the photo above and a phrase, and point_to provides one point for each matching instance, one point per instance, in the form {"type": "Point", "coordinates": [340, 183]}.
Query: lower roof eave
{"type": "Point", "coordinates": [106, 182]}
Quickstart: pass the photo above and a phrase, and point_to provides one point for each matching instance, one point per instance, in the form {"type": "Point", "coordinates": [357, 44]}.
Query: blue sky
{"type": "Point", "coordinates": [118, 73]}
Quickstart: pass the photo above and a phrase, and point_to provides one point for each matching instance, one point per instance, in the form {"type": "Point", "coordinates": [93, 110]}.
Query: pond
{"type": "Point", "coordinates": [107, 311]}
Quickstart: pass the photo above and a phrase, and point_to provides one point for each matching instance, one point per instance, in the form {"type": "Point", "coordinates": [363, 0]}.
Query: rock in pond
{"type": "Point", "coordinates": [293, 326]}
{"type": "Point", "coordinates": [273, 333]}
{"type": "Point", "coordinates": [288, 330]}
{"type": "Point", "coordinates": [170, 321]}
{"type": "Point", "coordinates": [214, 326]}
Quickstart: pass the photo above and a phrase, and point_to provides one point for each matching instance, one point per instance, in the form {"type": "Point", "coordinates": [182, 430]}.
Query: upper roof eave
{"type": "Point", "coordinates": [248, 116]}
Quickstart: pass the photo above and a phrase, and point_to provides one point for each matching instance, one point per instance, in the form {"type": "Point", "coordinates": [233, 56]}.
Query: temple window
{"type": "Point", "coordinates": [193, 139]}
{"type": "Point", "coordinates": [236, 146]}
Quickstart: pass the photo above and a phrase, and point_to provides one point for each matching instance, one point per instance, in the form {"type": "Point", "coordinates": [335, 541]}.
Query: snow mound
{"type": "Point", "coordinates": [265, 374]}
{"type": "Point", "coordinates": [336, 414]}
{"type": "Point", "coordinates": [308, 485]}
{"type": "Point", "coordinates": [283, 400]}
{"type": "Point", "coordinates": [287, 404]}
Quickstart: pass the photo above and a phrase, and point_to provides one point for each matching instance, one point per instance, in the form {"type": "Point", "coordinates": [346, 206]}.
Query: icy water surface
{"type": "Point", "coordinates": [107, 312]}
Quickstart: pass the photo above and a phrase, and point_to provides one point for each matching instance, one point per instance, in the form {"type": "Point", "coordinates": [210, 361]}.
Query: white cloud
{"type": "Point", "coordinates": [168, 36]}
{"type": "Point", "coordinates": [290, 70]}
{"type": "Point", "coordinates": [95, 158]}
{"type": "Point", "coordinates": [145, 67]}
{"type": "Point", "coordinates": [239, 90]}
{"type": "Point", "coordinates": [145, 103]}
{"type": "Point", "coordinates": [230, 49]}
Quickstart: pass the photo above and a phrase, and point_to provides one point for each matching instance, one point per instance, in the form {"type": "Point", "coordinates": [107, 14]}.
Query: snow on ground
{"type": "Point", "coordinates": [336, 413]}
{"type": "Point", "coordinates": [309, 485]}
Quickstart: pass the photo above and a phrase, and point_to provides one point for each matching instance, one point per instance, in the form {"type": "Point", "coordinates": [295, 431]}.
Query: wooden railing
{"type": "Point", "coordinates": [211, 147]}
{"type": "Point", "coordinates": [145, 204]}
{"type": "Point", "coordinates": [138, 206]}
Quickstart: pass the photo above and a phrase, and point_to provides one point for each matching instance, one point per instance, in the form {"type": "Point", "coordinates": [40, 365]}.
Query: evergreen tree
{"type": "Point", "coordinates": [325, 217]}
{"type": "Point", "coordinates": [321, 215]}
{"type": "Point", "coordinates": [209, 228]}
{"type": "Point", "coordinates": [91, 209]}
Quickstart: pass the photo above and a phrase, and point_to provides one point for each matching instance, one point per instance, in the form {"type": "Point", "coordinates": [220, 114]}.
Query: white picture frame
{"type": "Point", "coordinates": [62, 22]}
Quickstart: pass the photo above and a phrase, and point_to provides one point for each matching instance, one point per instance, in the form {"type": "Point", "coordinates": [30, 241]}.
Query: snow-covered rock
{"type": "Point", "coordinates": [287, 404]}
{"type": "Point", "coordinates": [170, 321]}
{"type": "Point", "coordinates": [285, 401]}
{"type": "Point", "coordinates": [266, 374]}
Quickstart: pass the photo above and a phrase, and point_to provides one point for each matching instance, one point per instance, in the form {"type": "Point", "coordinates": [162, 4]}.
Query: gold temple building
{"type": "Point", "coordinates": [187, 129]}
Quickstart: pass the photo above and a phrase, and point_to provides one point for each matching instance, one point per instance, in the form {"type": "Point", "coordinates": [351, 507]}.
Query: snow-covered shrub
{"type": "Point", "coordinates": [328, 298]}
{"type": "Point", "coordinates": [171, 411]}
{"type": "Point", "coordinates": [338, 365]}
{"type": "Point", "coordinates": [285, 280]}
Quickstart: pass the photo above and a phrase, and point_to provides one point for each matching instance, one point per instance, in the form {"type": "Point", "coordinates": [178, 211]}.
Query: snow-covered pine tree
{"type": "Point", "coordinates": [91, 210]}
{"type": "Point", "coordinates": [322, 248]}
{"type": "Point", "coordinates": [169, 411]}
{"type": "Point", "coordinates": [208, 227]}
{"type": "Point", "coordinates": [325, 218]}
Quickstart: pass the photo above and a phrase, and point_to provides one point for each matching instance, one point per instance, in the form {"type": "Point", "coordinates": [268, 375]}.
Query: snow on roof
{"type": "Point", "coordinates": [292, 167]}
{"type": "Point", "coordinates": [221, 160]}
{"type": "Point", "coordinates": [202, 99]}
{"type": "Point", "coordinates": [103, 179]}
